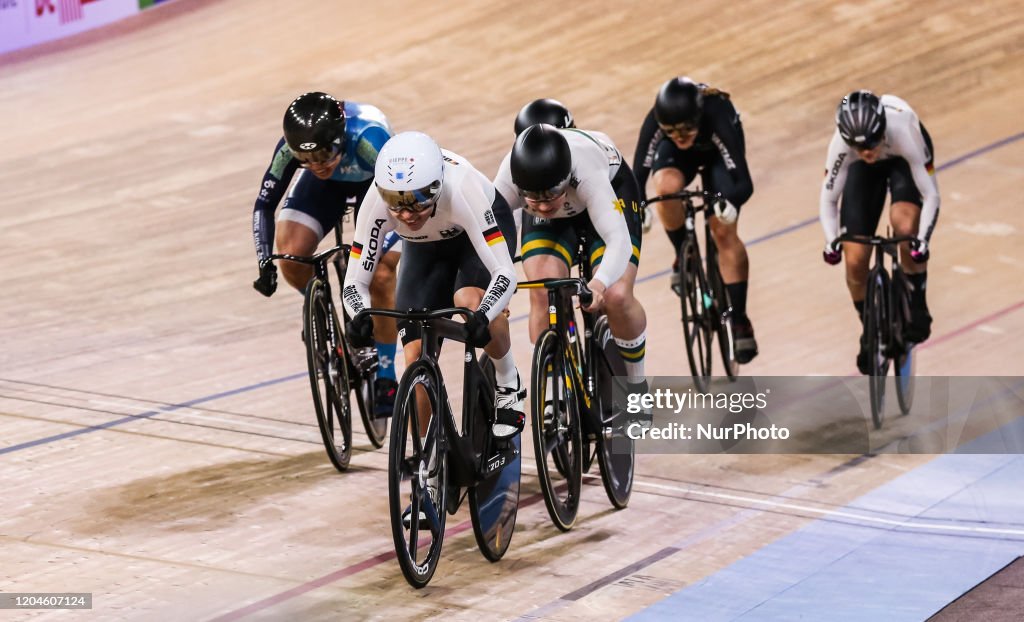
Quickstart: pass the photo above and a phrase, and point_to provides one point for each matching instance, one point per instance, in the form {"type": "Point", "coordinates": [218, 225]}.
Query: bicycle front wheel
{"type": "Point", "coordinates": [696, 304]}
{"type": "Point", "coordinates": [328, 374]}
{"type": "Point", "coordinates": [557, 432]}
{"type": "Point", "coordinates": [417, 476]}
{"type": "Point", "coordinates": [874, 328]}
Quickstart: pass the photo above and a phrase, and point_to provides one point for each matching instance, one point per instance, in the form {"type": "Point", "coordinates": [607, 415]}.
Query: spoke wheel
{"type": "Point", "coordinates": [417, 476]}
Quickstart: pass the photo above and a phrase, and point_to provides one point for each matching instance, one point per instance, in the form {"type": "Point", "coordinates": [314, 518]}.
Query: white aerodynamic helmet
{"type": "Point", "coordinates": [409, 172]}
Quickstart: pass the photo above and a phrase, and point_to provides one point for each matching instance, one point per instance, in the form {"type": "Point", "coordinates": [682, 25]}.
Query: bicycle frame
{"type": "Point", "coordinates": [892, 281]}
{"type": "Point", "coordinates": [582, 365]}
{"type": "Point", "coordinates": [319, 263]}
{"type": "Point", "coordinates": [470, 462]}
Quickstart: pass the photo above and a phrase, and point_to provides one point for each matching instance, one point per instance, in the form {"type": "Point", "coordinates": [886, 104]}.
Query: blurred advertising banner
{"type": "Point", "coordinates": [28, 22]}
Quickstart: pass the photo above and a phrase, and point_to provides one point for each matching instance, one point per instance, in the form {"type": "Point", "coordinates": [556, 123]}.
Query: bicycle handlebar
{"type": "Point", "coordinates": [686, 195]}
{"type": "Point", "coordinates": [586, 296]}
{"type": "Point", "coordinates": [321, 257]}
{"type": "Point", "coordinates": [415, 316]}
{"type": "Point", "coordinates": [876, 240]}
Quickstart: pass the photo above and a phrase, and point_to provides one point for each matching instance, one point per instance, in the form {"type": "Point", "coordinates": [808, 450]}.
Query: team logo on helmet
{"type": "Point", "coordinates": [308, 146]}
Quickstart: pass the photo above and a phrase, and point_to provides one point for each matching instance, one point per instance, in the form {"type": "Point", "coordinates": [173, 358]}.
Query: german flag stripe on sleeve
{"type": "Point", "coordinates": [357, 250]}
{"type": "Point", "coordinates": [930, 167]}
{"type": "Point", "coordinates": [493, 236]}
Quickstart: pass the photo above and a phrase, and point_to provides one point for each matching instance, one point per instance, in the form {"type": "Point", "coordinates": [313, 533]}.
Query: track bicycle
{"type": "Point", "coordinates": [886, 314]}
{"type": "Point", "coordinates": [572, 412]}
{"type": "Point", "coordinates": [334, 366]}
{"type": "Point", "coordinates": [432, 469]}
{"type": "Point", "coordinates": [706, 309]}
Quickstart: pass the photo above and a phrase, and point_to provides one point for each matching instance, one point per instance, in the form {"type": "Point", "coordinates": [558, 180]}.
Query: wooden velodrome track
{"type": "Point", "coordinates": [131, 158]}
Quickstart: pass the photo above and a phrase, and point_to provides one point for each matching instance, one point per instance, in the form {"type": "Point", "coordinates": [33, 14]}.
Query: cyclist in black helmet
{"type": "Point", "coordinates": [880, 146]}
{"type": "Point", "coordinates": [550, 111]}
{"type": "Point", "coordinates": [694, 128]}
{"type": "Point", "coordinates": [333, 146]}
{"type": "Point", "coordinates": [570, 180]}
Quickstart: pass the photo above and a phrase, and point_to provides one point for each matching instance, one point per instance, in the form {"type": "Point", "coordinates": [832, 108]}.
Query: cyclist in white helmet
{"type": "Point", "coordinates": [880, 146]}
{"type": "Point", "coordinates": [459, 239]}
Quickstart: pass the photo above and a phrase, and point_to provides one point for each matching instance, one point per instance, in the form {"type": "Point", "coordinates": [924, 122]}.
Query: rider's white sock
{"type": "Point", "coordinates": [505, 370]}
{"type": "Point", "coordinates": [632, 351]}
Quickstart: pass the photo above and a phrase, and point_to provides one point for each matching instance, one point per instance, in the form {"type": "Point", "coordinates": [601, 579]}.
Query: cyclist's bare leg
{"type": "Point", "coordinates": [626, 316]}
{"type": "Point", "coordinates": [670, 213]}
{"type": "Point", "coordinates": [856, 258]}
{"type": "Point", "coordinates": [294, 238]}
{"type": "Point", "coordinates": [628, 322]}
{"type": "Point", "coordinates": [542, 267]}
{"type": "Point", "coordinates": [412, 353]}
{"type": "Point", "coordinates": [382, 296]}
{"type": "Point", "coordinates": [735, 269]}
{"type": "Point", "coordinates": [906, 218]}
{"type": "Point", "coordinates": [732, 253]}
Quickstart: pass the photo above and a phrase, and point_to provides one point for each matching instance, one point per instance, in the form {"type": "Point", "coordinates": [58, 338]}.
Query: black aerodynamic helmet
{"type": "Point", "coordinates": [680, 103]}
{"type": "Point", "coordinates": [860, 118]}
{"type": "Point", "coordinates": [550, 111]}
{"type": "Point", "coordinates": [314, 127]}
{"type": "Point", "coordinates": [541, 162]}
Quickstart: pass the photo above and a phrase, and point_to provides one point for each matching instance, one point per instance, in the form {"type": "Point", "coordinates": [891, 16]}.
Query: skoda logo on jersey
{"type": "Point", "coordinates": [307, 146]}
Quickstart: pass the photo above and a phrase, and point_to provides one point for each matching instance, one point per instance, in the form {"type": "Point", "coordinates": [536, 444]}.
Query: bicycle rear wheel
{"type": "Point", "coordinates": [376, 428]}
{"type": "Point", "coordinates": [696, 302]}
{"type": "Point", "coordinates": [905, 372]}
{"type": "Point", "coordinates": [875, 328]}
{"type": "Point", "coordinates": [417, 476]}
{"type": "Point", "coordinates": [328, 375]}
{"type": "Point", "coordinates": [557, 438]}
{"type": "Point", "coordinates": [494, 501]}
{"type": "Point", "coordinates": [904, 363]}
{"type": "Point", "coordinates": [722, 312]}
{"type": "Point", "coordinates": [615, 449]}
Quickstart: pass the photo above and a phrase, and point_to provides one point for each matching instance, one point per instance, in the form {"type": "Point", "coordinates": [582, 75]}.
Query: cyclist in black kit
{"type": "Point", "coordinates": [694, 128]}
{"type": "Point", "coordinates": [331, 146]}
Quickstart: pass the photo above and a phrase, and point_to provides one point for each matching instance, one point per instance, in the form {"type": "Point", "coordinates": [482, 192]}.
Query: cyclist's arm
{"type": "Point", "coordinates": [372, 226]}
{"type": "Point", "coordinates": [275, 183]}
{"type": "Point", "coordinates": [472, 210]}
{"type": "Point", "coordinates": [646, 145]}
{"type": "Point", "coordinates": [919, 158]}
{"type": "Point", "coordinates": [727, 137]}
{"type": "Point", "coordinates": [606, 216]}
{"type": "Point", "coordinates": [836, 164]}
{"type": "Point", "coordinates": [368, 144]}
